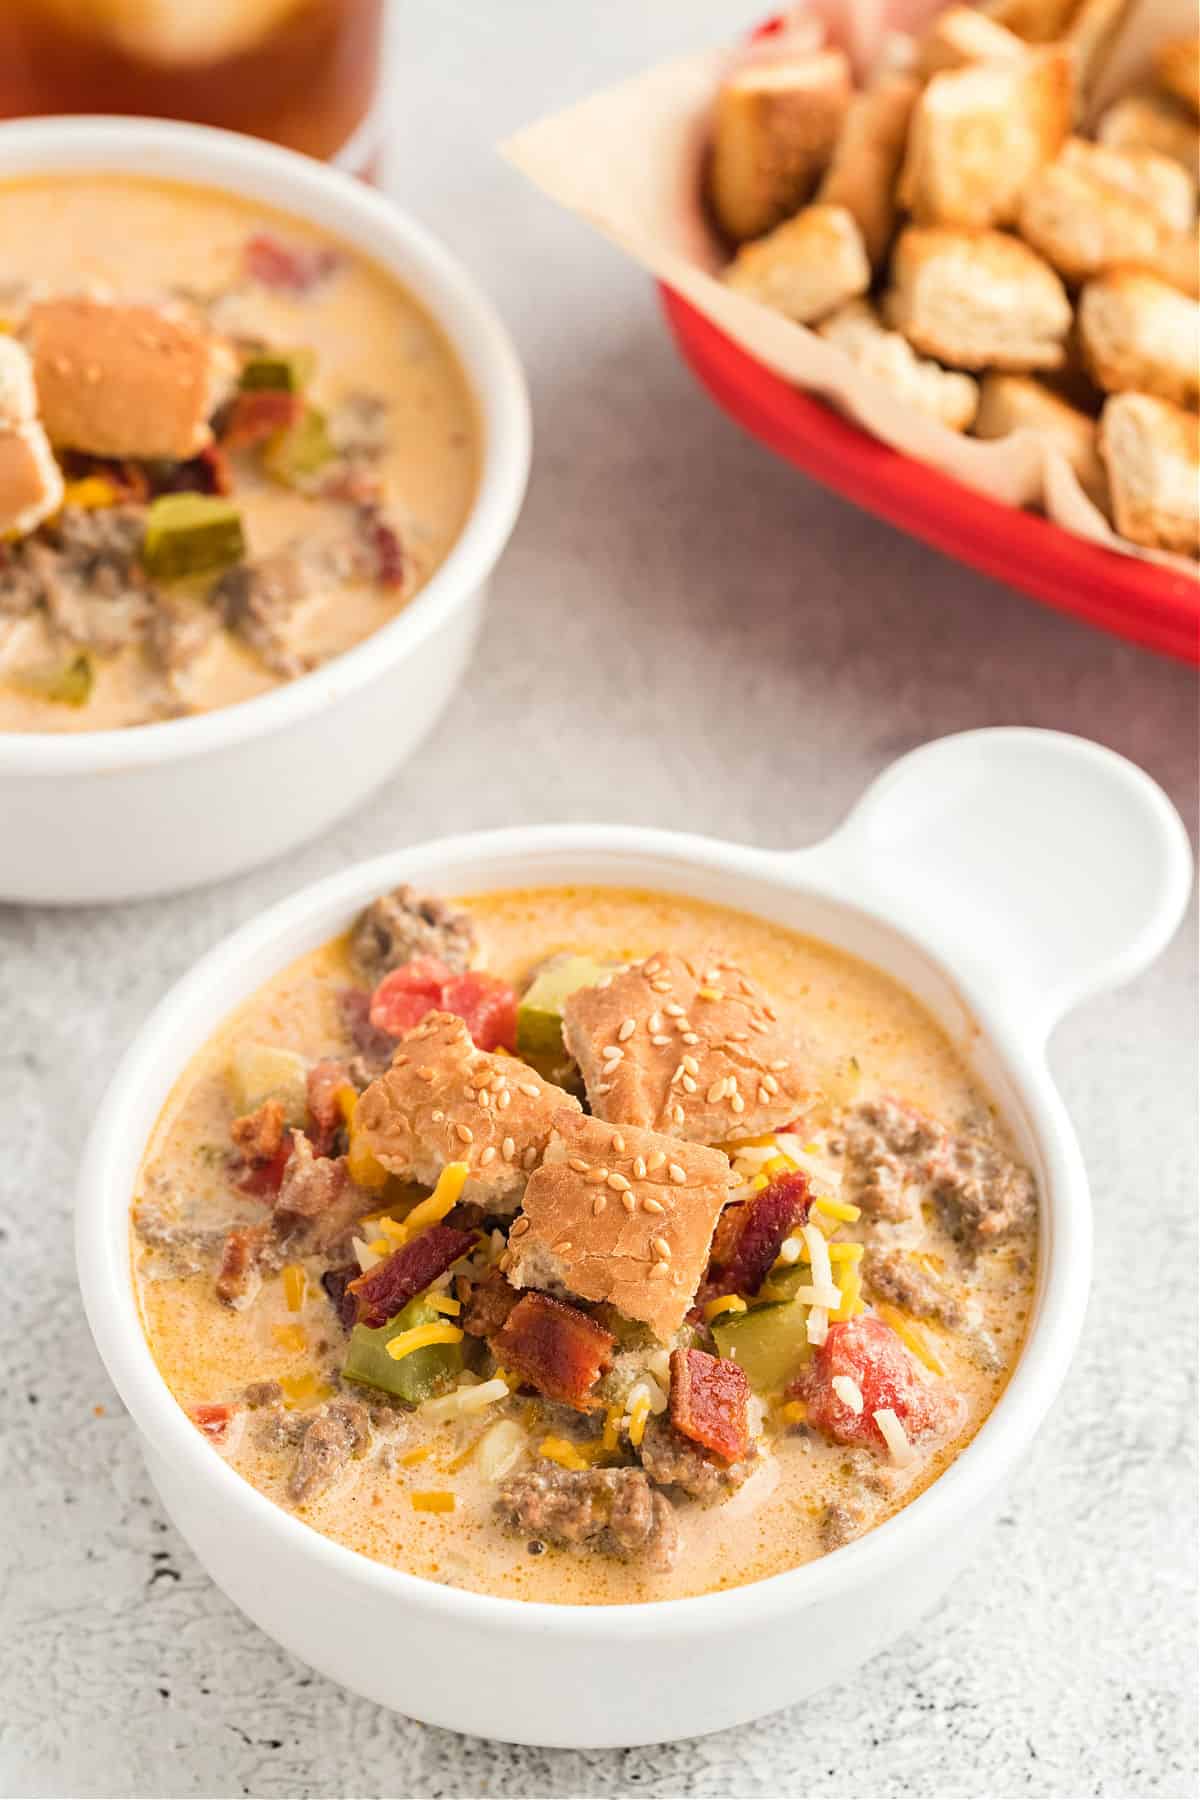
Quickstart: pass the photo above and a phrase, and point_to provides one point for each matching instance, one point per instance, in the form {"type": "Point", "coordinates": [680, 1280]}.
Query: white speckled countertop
{"type": "Point", "coordinates": [684, 633]}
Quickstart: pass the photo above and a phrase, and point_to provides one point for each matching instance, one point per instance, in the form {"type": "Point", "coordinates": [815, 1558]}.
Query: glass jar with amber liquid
{"type": "Point", "coordinates": [303, 72]}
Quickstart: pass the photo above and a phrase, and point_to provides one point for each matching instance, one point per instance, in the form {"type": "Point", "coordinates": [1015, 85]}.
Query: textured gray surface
{"type": "Point", "coordinates": [684, 633]}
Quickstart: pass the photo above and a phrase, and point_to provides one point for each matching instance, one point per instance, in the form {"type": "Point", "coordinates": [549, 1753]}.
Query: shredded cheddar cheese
{"type": "Point", "coordinates": [420, 1337]}
{"type": "Point", "coordinates": [435, 1501]}
{"type": "Point", "coordinates": [838, 1209]}
{"type": "Point", "coordinates": [562, 1451]}
{"type": "Point", "coordinates": [639, 1412]}
{"type": "Point", "coordinates": [450, 1184]}
{"type": "Point", "coordinates": [411, 1458]}
{"type": "Point", "coordinates": [295, 1286]}
{"type": "Point", "coordinates": [724, 1303]}
{"type": "Point", "coordinates": [912, 1337]}
{"type": "Point", "coordinates": [850, 1253]}
{"type": "Point", "coordinates": [290, 1337]}
{"type": "Point", "coordinates": [444, 1303]}
{"type": "Point", "coordinates": [795, 1412]}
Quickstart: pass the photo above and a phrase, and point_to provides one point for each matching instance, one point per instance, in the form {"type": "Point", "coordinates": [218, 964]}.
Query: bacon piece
{"type": "Point", "coordinates": [238, 1278]}
{"type": "Point", "coordinates": [258, 414]}
{"type": "Point", "coordinates": [555, 1348]}
{"type": "Point", "coordinates": [750, 1237]}
{"type": "Point", "coordinates": [407, 1272]}
{"type": "Point", "coordinates": [325, 1082]}
{"type": "Point", "coordinates": [384, 549]}
{"type": "Point", "coordinates": [212, 1420]}
{"type": "Point", "coordinates": [336, 1282]}
{"type": "Point", "coordinates": [259, 1134]}
{"type": "Point", "coordinates": [709, 1401]}
{"type": "Point", "coordinates": [487, 1306]}
{"type": "Point", "coordinates": [264, 1179]}
{"type": "Point", "coordinates": [293, 268]}
{"type": "Point", "coordinates": [872, 1356]}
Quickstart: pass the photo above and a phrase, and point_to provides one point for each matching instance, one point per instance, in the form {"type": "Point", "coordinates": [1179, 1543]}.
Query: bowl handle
{"type": "Point", "coordinates": [1035, 862]}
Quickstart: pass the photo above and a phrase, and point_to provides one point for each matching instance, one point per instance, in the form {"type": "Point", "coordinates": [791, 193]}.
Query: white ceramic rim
{"type": "Point", "coordinates": [1061, 1296]}
{"type": "Point", "coordinates": [203, 156]}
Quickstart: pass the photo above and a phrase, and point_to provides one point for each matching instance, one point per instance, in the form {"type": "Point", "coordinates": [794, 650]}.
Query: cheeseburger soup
{"type": "Point", "coordinates": [230, 448]}
{"type": "Point", "coordinates": [583, 1245]}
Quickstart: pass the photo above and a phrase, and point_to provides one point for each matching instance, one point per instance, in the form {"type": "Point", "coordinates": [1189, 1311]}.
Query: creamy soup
{"type": "Point", "coordinates": [829, 1304]}
{"type": "Point", "coordinates": [231, 447]}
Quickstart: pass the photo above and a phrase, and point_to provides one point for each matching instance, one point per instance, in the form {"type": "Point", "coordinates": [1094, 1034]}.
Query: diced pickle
{"type": "Point", "coordinates": [415, 1377]}
{"type": "Point", "coordinates": [301, 450]}
{"type": "Point", "coordinates": [540, 1010]}
{"type": "Point", "coordinates": [289, 370]}
{"type": "Point", "coordinates": [769, 1343]}
{"type": "Point", "coordinates": [65, 684]}
{"type": "Point", "coordinates": [191, 534]}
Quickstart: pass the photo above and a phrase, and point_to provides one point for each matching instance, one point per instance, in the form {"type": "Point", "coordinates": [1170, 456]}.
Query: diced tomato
{"type": "Point", "coordinates": [485, 1004]}
{"type": "Point", "coordinates": [293, 267]}
{"type": "Point", "coordinates": [212, 1421]}
{"type": "Point", "coordinates": [872, 1356]}
{"type": "Point", "coordinates": [265, 1179]}
{"type": "Point", "coordinates": [488, 1007]}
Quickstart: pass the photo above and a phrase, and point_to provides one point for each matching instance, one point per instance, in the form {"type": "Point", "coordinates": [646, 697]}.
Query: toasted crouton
{"type": "Point", "coordinates": [443, 1101]}
{"type": "Point", "coordinates": [1139, 334]}
{"type": "Point", "coordinates": [1177, 65]}
{"type": "Point", "coordinates": [866, 160]}
{"type": "Point", "coordinates": [978, 136]}
{"type": "Point", "coordinates": [1150, 177]}
{"type": "Point", "coordinates": [1152, 122]}
{"type": "Point", "coordinates": [31, 483]}
{"type": "Point", "coordinates": [121, 379]}
{"type": "Point", "coordinates": [805, 267]}
{"type": "Point", "coordinates": [977, 299]}
{"type": "Point", "coordinates": [691, 1048]}
{"type": "Point", "coordinates": [776, 123]}
{"type": "Point", "coordinates": [962, 35]}
{"type": "Point", "coordinates": [18, 396]}
{"type": "Point", "coordinates": [1018, 402]}
{"type": "Point", "coordinates": [942, 393]}
{"type": "Point", "coordinates": [622, 1217]}
{"type": "Point", "coordinates": [1151, 450]}
{"type": "Point", "coordinates": [1083, 226]}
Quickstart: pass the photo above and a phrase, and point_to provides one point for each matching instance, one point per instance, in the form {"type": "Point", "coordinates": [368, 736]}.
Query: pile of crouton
{"type": "Point", "coordinates": [950, 230]}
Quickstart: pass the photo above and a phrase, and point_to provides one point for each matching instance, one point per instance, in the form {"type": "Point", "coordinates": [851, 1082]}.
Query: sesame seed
{"type": "Point", "coordinates": [780, 1063]}
{"type": "Point", "coordinates": [709, 993]}
{"type": "Point", "coordinates": [618, 1143]}
{"type": "Point", "coordinates": [628, 1027]}
{"type": "Point", "coordinates": [689, 1037]}
{"type": "Point", "coordinates": [676, 1173]}
{"type": "Point", "coordinates": [654, 1022]}
{"type": "Point", "coordinates": [424, 1074]}
{"type": "Point", "coordinates": [712, 976]}
{"type": "Point", "coordinates": [504, 1099]}
{"type": "Point", "coordinates": [611, 1059]}
{"type": "Point", "coordinates": [659, 1041]}
{"type": "Point", "coordinates": [529, 1087]}
{"type": "Point", "coordinates": [505, 1263]}
{"type": "Point", "coordinates": [770, 1012]}
{"type": "Point", "coordinates": [508, 1149]}
{"type": "Point", "coordinates": [674, 1010]}
{"type": "Point", "coordinates": [736, 1037]}
{"type": "Point", "coordinates": [764, 1098]}
{"type": "Point", "coordinates": [437, 1116]}
{"type": "Point", "coordinates": [398, 1061]}
{"type": "Point", "coordinates": [563, 1245]}
{"type": "Point", "coordinates": [651, 1205]}
{"type": "Point", "coordinates": [488, 1155]}
{"type": "Point", "coordinates": [464, 1134]}
{"type": "Point", "coordinates": [677, 1076]}
{"type": "Point", "coordinates": [660, 986]}
{"type": "Point", "coordinates": [657, 1159]}
{"type": "Point", "coordinates": [618, 1183]}
{"type": "Point", "coordinates": [691, 1065]}
{"type": "Point", "coordinates": [520, 1227]}
{"type": "Point", "coordinates": [716, 1092]}
{"type": "Point", "coordinates": [770, 1083]}
{"type": "Point", "coordinates": [639, 1167]}
{"type": "Point", "coordinates": [652, 967]}
{"type": "Point", "coordinates": [759, 1025]}
{"type": "Point", "coordinates": [661, 1245]}
{"type": "Point", "coordinates": [689, 1086]}
{"type": "Point", "coordinates": [604, 1087]}
{"type": "Point", "coordinates": [530, 1156]}
{"type": "Point", "coordinates": [484, 1098]}
{"type": "Point", "coordinates": [737, 1103]}
{"type": "Point", "coordinates": [596, 1174]}
{"type": "Point", "coordinates": [605, 981]}
{"type": "Point", "coordinates": [579, 1165]}
{"type": "Point", "coordinates": [599, 1204]}
{"type": "Point", "coordinates": [747, 987]}
{"type": "Point", "coordinates": [661, 1268]}
{"type": "Point", "coordinates": [677, 1115]}
{"type": "Point", "coordinates": [629, 1201]}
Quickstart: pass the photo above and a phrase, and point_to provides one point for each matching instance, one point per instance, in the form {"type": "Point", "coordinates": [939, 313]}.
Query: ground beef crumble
{"type": "Point", "coordinates": [613, 1511]}
{"type": "Point", "coordinates": [672, 1460]}
{"type": "Point", "coordinates": [404, 924]}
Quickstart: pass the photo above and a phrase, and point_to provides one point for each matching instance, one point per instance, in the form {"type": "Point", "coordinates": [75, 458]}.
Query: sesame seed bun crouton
{"type": "Point", "coordinates": [1161, 183]}
{"type": "Point", "coordinates": [687, 1047]}
{"type": "Point", "coordinates": [619, 1215]}
{"type": "Point", "coordinates": [1036, 21]}
{"type": "Point", "coordinates": [1090, 31]}
{"type": "Point", "coordinates": [962, 35]}
{"type": "Point", "coordinates": [1020, 402]}
{"type": "Point", "coordinates": [1177, 65]}
{"type": "Point", "coordinates": [18, 396]}
{"type": "Point", "coordinates": [891, 360]}
{"type": "Point", "coordinates": [775, 125]}
{"type": "Point", "coordinates": [980, 133]}
{"type": "Point", "coordinates": [805, 267]}
{"type": "Point", "coordinates": [866, 160]}
{"type": "Point", "coordinates": [1152, 122]}
{"type": "Point", "coordinates": [977, 300]}
{"type": "Point", "coordinates": [443, 1101]}
{"type": "Point", "coordinates": [126, 380]}
{"type": "Point", "coordinates": [1083, 225]}
{"type": "Point", "coordinates": [1138, 334]}
{"type": "Point", "coordinates": [31, 483]}
{"type": "Point", "coordinates": [1151, 450]}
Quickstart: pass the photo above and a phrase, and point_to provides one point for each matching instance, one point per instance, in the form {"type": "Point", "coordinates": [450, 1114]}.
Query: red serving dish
{"type": "Point", "coordinates": [1143, 601]}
